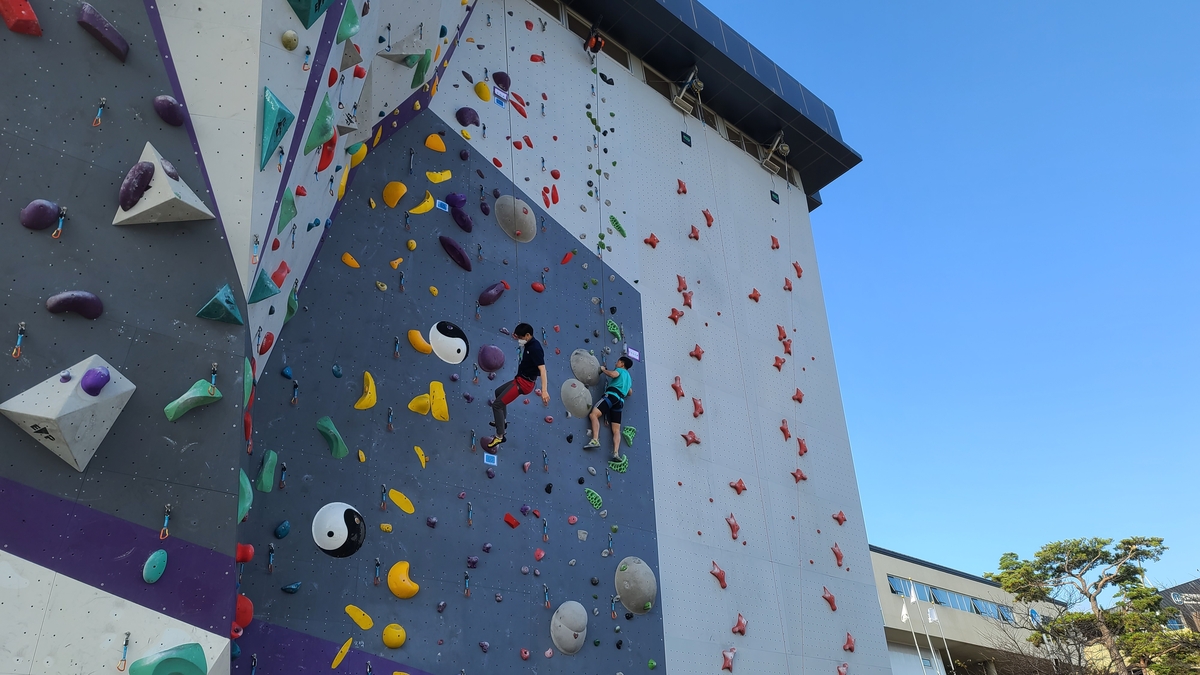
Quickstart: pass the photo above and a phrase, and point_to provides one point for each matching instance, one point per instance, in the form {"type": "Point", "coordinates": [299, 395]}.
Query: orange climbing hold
{"type": "Point", "coordinates": [799, 272]}
{"type": "Point", "coordinates": [799, 475]}
{"type": "Point", "coordinates": [798, 397]}
{"type": "Point", "coordinates": [267, 341]}
{"type": "Point", "coordinates": [707, 217]}
{"type": "Point", "coordinates": [754, 294]}
{"type": "Point", "coordinates": [19, 17]}
{"type": "Point", "coordinates": [787, 433]}
{"type": "Point", "coordinates": [695, 233]}
{"type": "Point", "coordinates": [651, 240]}
{"type": "Point", "coordinates": [739, 486]}
{"type": "Point", "coordinates": [681, 283]}
{"type": "Point", "coordinates": [840, 517]}
{"type": "Point", "coordinates": [787, 284]}
{"type": "Point", "coordinates": [696, 353]}
{"type": "Point", "coordinates": [675, 316]}
{"type": "Point", "coordinates": [537, 58]}
{"type": "Point", "coordinates": [829, 598]}
{"type": "Point", "coordinates": [803, 447]}
{"type": "Point", "coordinates": [787, 346]}
{"type": "Point", "coordinates": [678, 387]}
{"type": "Point", "coordinates": [691, 439]}
{"type": "Point", "coordinates": [687, 298]}
{"type": "Point", "coordinates": [719, 573]}
{"type": "Point", "coordinates": [682, 189]}
{"type": "Point", "coordinates": [774, 243]}
{"type": "Point", "coordinates": [740, 626]}
{"type": "Point", "coordinates": [779, 361]}
{"type": "Point", "coordinates": [434, 142]}
{"type": "Point", "coordinates": [697, 407]}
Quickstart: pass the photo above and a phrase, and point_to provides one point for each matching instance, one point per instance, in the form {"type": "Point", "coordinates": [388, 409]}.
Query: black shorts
{"type": "Point", "coordinates": [611, 408]}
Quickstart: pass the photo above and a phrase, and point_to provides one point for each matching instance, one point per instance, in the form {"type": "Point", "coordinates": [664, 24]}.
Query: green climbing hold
{"type": "Point", "coordinates": [202, 392]}
{"type": "Point", "coordinates": [337, 447]}
{"type": "Point", "coordinates": [628, 433]}
{"type": "Point", "coordinates": [245, 495]}
{"type": "Point", "coordinates": [155, 565]}
{"type": "Point", "coordinates": [276, 120]}
{"type": "Point", "coordinates": [223, 307]}
{"type": "Point", "coordinates": [621, 465]}
{"type": "Point", "coordinates": [287, 210]}
{"type": "Point", "coordinates": [593, 498]}
{"type": "Point", "coordinates": [266, 472]}
{"type": "Point", "coordinates": [247, 383]}
{"type": "Point", "coordinates": [648, 606]}
{"type": "Point", "coordinates": [596, 642]}
{"type": "Point", "coordinates": [422, 68]}
{"type": "Point", "coordinates": [614, 329]}
{"type": "Point", "coordinates": [652, 664]}
{"type": "Point", "coordinates": [616, 225]}
{"type": "Point", "coordinates": [349, 26]}
{"type": "Point", "coordinates": [186, 659]}
{"type": "Point", "coordinates": [263, 288]}
{"type": "Point", "coordinates": [308, 11]}
{"type": "Point", "coordinates": [293, 304]}
{"type": "Point", "coordinates": [411, 60]}
{"type": "Point", "coordinates": [322, 127]}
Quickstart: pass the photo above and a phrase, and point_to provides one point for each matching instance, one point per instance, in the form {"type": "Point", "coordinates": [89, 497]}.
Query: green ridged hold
{"type": "Point", "coordinates": [628, 433]}
{"type": "Point", "coordinates": [247, 383]}
{"type": "Point", "coordinates": [266, 472]}
{"type": "Point", "coordinates": [620, 466]}
{"type": "Point", "coordinates": [422, 68]}
{"type": "Point", "coordinates": [186, 659]}
{"type": "Point", "coordinates": [223, 307]}
{"type": "Point", "coordinates": [308, 11]}
{"type": "Point", "coordinates": [276, 120]}
{"type": "Point", "coordinates": [322, 126]}
{"type": "Point", "coordinates": [614, 329]}
{"type": "Point", "coordinates": [287, 210]}
{"type": "Point", "coordinates": [155, 565]}
{"type": "Point", "coordinates": [616, 225]}
{"type": "Point", "coordinates": [593, 498]}
{"type": "Point", "coordinates": [349, 26]}
{"type": "Point", "coordinates": [245, 495]}
{"type": "Point", "coordinates": [411, 60]}
{"type": "Point", "coordinates": [201, 393]}
{"type": "Point", "coordinates": [293, 304]}
{"type": "Point", "coordinates": [337, 447]}
{"type": "Point", "coordinates": [263, 288]}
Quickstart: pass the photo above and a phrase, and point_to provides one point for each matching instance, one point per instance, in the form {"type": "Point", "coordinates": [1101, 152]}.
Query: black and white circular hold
{"type": "Point", "coordinates": [449, 342]}
{"type": "Point", "coordinates": [339, 529]}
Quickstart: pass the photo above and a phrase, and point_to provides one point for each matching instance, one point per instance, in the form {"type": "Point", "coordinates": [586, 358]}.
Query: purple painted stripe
{"type": "Point", "coordinates": [283, 650]}
{"type": "Point", "coordinates": [107, 552]}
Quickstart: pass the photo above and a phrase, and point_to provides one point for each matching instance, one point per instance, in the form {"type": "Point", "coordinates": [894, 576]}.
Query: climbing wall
{"type": "Point", "coordinates": [74, 542]}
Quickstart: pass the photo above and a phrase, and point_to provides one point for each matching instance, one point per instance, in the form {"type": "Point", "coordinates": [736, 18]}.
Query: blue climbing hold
{"type": "Point", "coordinates": [283, 529]}
{"type": "Point", "coordinates": [234, 650]}
{"type": "Point", "coordinates": [291, 589]}
{"type": "Point", "coordinates": [286, 372]}
{"type": "Point", "coordinates": [337, 370]}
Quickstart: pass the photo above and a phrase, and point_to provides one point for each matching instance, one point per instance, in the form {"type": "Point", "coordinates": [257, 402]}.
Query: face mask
{"type": "Point", "coordinates": [522, 341]}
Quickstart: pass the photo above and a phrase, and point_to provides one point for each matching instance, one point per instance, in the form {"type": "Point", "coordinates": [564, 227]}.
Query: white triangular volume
{"type": "Point", "coordinates": [364, 107]}
{"type": "Point", "coordinates": [402, 48]}
{"type": "Point", "coordinates": [167, 200]}
{"type": "Point", "coordinates": [350, 55]}
{"type": "Point", "coordinates": [66, 419]}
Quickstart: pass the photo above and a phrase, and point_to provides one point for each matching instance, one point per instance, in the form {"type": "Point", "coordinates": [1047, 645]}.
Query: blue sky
{"type": "Point", "coordinates": [1011, 273]}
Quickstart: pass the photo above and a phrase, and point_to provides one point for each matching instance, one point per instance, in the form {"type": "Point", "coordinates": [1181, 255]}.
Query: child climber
{"type": "Point", "coordinates": [531, 367]}
{"type": "Point", "coordinates": [611, 404]}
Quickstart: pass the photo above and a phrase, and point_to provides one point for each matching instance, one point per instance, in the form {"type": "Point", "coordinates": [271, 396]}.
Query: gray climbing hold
{"type": "Point", "coordinates": [170, 110]}
{"type": "Point", "coordinates": [155, 565]}
{"type": "Point", "coordinates": [516, 218]}
{"type": "Point", "coordinates": [568, 627]}
{"type": "Point", "coordinates": [105, 33]}
{"type": "Point", "coordinates": [585, 367]}
{"type": "Point", "coordinates": [636, 585]}
{"type": "Point", "coordinates": [576, 398]}
{"type": "Point", "coordinates": [40, 214]}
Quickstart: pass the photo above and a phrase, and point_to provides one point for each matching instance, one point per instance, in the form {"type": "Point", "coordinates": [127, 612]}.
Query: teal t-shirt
{"type": "Point", "coordinates": [621, 383]}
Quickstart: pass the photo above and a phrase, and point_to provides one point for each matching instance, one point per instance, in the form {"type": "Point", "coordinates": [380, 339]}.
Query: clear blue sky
{"type": "Point", "coordinates": [1011, 273]}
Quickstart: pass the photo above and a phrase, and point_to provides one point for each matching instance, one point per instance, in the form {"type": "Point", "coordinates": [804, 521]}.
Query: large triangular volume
{"type": "Point", "coordinates": [322, 126]}
{"type": "Point", "coordinates": [308, 11]}
{"type": "Point", "coordinates": [399, 50]}
{"type": "Point", "coordinates": [263, 288]}
{"type": "Point", "coordinates": [64, 417]}
{"type": "Point", "coordinates": [287, 210]}
{"type": "Point", "coordinates": [167, 200]}
{"type": "Point", "coordinates": [223, 307]}
{"type": "Point", "coordinates": [276, 120]}
{"type": "Point", "coordinates": [363, 110]}
{"type": "Point", "coordinates": [350, 55]}
{"type": "Point", "coordinates": [350, 24]}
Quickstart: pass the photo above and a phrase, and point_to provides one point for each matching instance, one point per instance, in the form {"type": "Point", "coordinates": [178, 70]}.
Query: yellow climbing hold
{"type": "Point", "coordinates": [394, 636]}
{"type": "Point", "coordinates": [380, 285]}
{"type": "Point", "coordinates": [337, 660]}
{"type": "Point", "coordinates": [420, 455]}
{"type": "Point", "coordinates": [420, 404]}
{"type": "Point", "coordinates": [437, 401]}
{"type": "Point", "coordinates": [342, 184]}
{"type": "Point", "coordinates": [416, 105]}
{"type": "Point", "coordinates": [425, 205]}
{"type": "Point", "coordinates": [418, 342]}
{"type": "Point", "coordinates": [396, 263]}
{"type": "Point", "coordinates": [385, 527]}
{"type": "Point", "coordinates": [437, 54]}
{"type": "Point", "coordinates": [350, 261]}
{"type": "Point", "coordinates": [470, 39]}
{"type": "Point", "coordinates": [378, 135]}
{"type": "Point", "coordinates": [362, 456]}
{"type": "Point", "coordinates": [483, 92]}
{"type": "Point", "coordinates": [392, 192]}
{"type": "Point", "coordinates": [433, 89]}
{"type": "Point", "coordinates": [433, 291]}
{"type": "Point", "coordinates": [412, 244]}
{"type": "Point", "coordinates": [367, 400]}
{"type": "Point", "coordinates": [434, 142]}
{"type": "Point", "coordinates": [438, 176]}
{"type": "Point", "coordinates": [358, 156]}
{"type": "Point", "coordinates": [466, 134]}
{"type": "Point", "coordinates": [371, 202]}
{"type": "Point", "coordinates": [398, 582]}
{"type": "Point", "coordinates": [360, 617]}
{"type": "Point", "coordinates": [402, 501]}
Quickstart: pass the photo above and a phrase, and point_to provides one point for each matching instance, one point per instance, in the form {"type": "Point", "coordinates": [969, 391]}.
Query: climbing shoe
{"type": "Point", "coordinates": [594, 443]}
{"type": "Point", "coordinates": [619, 465]}
{"type": "Point", "coordinates": [492, 442]}
{"type": "Point", "coordinates": [493, 425]}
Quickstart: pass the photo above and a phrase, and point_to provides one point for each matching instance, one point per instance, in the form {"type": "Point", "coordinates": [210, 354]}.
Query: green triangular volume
{"type": "Point", "coordinates": [293, 304]}
{"type": "Point", "coordinates": [247, 383]}
{"type": "Point", "coordinates": [322, 127]}
{"type": "Point", "coordinates": [263, 288]}
{"type": "Point", "coordinates": [422, 69]}
{"type": "Point", "coordinates": [276, 120]}
{"type": "Point", "coordinates": [308, 11]}
{"type": "Point", "coordinates": [245, 495]}
{"type": "Point", "coordinates": [287, 210]}
{"type": "Point", "coordinates": [348, 28]}
{"type": "Point", "coordinates": [222, 307]}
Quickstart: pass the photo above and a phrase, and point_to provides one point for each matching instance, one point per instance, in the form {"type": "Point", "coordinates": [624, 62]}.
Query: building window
{"type": "Point", "coordinates": [986, 608]}
{"type": "Point", "coordinates": [1006, 614]}
{"type": "Point", "coordinates": [927, 662]}
{"type": "Point", "coordinates": [616, 53]}
{"type": "Point", "coordinates": [702, 113]}
{"type": "Point", "coordinates": [577, 26]}
{"type": "Point", "coordinates": [899, 586]}
{"type": "Point", "coordinates": [551, 7]}
{"type": "Point", "coordinates": [951, 599]}
{"type": "Point", "coordinates": [1035, 617]}
{"type": "Point", "coordinates": [657, 82]}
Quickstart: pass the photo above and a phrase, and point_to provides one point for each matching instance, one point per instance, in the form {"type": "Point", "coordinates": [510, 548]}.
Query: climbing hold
{"type": "Point", "coordinates": [787, 346]}
{"type": "Point", "coordinates": [651, 240]}
{"type": "Point", "coordinates": [483, 91]}
{"type": "Point", "coordinates": [393, 633]}
{"type": "Point", "coordinates": [393, 192]}
{"type": "Point", "coordinates": [774, 243]}
{"type": "Point", "coordinates": [754, 295]}
{"type": "Point", "coordinates": [799, 475]}
{"type": "Point", "coordinates": [184, 659]}
{"type": "Point", "coordinates": [154, 567]}
{"type": "Point", "coordinates": [635, 585]}
{"type": "Point", "coordinates": [423, 459]}
{"type": "Point", "coordinates": [787, 434]}
{"type": "Point", "coordinates": [467, 117]}
{"type": "Point", "coordinates": [787, 284]}
{"type": "Point", "coordinates": [105, 33]}
{"type": "Point", "coordinates": [678, 387]}
{"type": "Point", "coordinates": [399, 499]}
{"type": "Point", "coordinates": [449, 342]}
{"type": "Point", "coordinates": [245, 495]}
{"type": "Point", "coordinates": [337, 446]}
{"type": "Point", "coordinates": [308, 11]}
{"type": "Point", "coordinates": [848, 646]}
{"type": "Point", "coordinates": [418, 342]}
{"type": "Point", "coordinates": [708, 218]}
{"type": "Point", "coordinates": [433, 291]}
{"type": "Point", "coordinates": [593, 498]}
{"type": "Point", "coordinates": [345, 649]}
{"type": "Point", "coordinates": [491, 294]}
{"type": "Point", "coordinates": [576, 398]}
{"type": "Point", "coordinates": [199, 394]}
{"type": "Point", "coordinates": [738, 486]}
{"type": "Point", "coordinates": [40, 214]}
{"type": "Point", "coordinates": [734, 528]}
{"type": "Point", "coordinates": [727, 659]}
{"type": "Point", "coordinates": [263, 288]}
{"type": "Point", "coordinates": [290, 40]}
{"type": "Point", "coordinates": [420, 404]}
{"type": "Point", "coordinates": [829, 598]}
{"type": "Point", "coordinates": [437, 402]}
{"type": "Point", "coordinates": [538, 554]}
{"type": "Point", "coordinates": [283, 529]}
{"type": "Point", "coordinates": [291, 589]}
{"type": "Point", "coordinates": [803, 447]}
{"type": "Point", "coordinates": [516, 218]}
{"type": "Point", "coordinates": [385, 527]}
{"type": "Point", "coordinates": [359, 617]}
{"type": "Point", "coordinates": [837, 553]}
{"type": "Point", "coordinates": [697, 407]}
{"type": "Point", "coordinates": [425, 205]}
{"type": "Point", "coordinates": [798, 397]}
{"type": "Point", "coordinates": [502, 80]}
{"type": "Point", "coordinates": [462, 219]}
{"type": "Point", "coordinates": [170, 110]}
{"type": "Point", "coordinates": [472, 561]}
{"type": "Point", "coordinates": [538, 287]}
{"type": "Point", "coordinates": [491, 358]}
{"type": "Point", "coordinates": [719, 573]}
{"type": "Point", "coordinates": [622, 465]}
{"type": "Point", "coordinates": [840, 517]}
{"type": "Point", "coordinates": [675, 315]}
{"type": "Point", "coordinates": [83, 303]}
{"type": "Point", "coordinates": [438, 176]}
{"type": "Point", "coordinates": [799, 272]}
{"type": "Point", "coordinates": [740, 626]}
{"type": "Point", "coordinates": [585, 367]}
{"type": "Point", "coordinates": [696, 353]}
{"type": "Point", "coordinates": [396, 263]}
{"type": "Point", "coordinates": [434, 142]}
{"type": "Point", "coordinates": [136, 183]}
{"type": "Point", "coordinates": [358, 152]}
{"type": "Point", "coordinates": [682, 188]}
{"type": "Point", "coordinates": [616, 225]}
{"type": "Point", "coordinates": [511, 520]}
{"type": "Point", "coordinates": [322, 128]}
{"type": "Point", "coordinates": [338, 529]}
{"type": "Point", "coordinates": [19, 17]}
{"type": "Point", "coordinates": [367, 400]}
{"type": "Point", "coordinates": [568, 627]}
{"type": "Point", "coordinates": [267, 341]}
{"type": "Point", "coordinates": [421, 69]}
{"type": "Point", "coordinates": [94, 380]}
{"type": "Point", "coordinates": [281, 272]}
{"type": "Point", "coordinates": [779, 361]}
{"type": "Point", "coordinates": [695, 234]}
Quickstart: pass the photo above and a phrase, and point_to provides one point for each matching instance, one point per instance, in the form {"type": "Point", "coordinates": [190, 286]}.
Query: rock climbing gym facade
{"type": "Point", "coordinates": [265, 264]}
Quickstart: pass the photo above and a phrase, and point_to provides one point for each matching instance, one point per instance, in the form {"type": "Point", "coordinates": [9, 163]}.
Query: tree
{"type": "Point", "coordinates": [1141, 619]}
{"type": "Point", "coordinates": [1085, 569]}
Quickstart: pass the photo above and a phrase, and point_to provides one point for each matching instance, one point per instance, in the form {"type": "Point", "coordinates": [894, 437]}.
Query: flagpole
{"type": "Point", "coordinates": [950, 658]}
{"type": "Point", "coordinates": [928, 641]}
{"type": "Point", "coordinates": [908, 620]}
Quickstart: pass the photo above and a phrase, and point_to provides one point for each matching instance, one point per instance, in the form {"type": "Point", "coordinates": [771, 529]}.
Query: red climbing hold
{"type": "Point", "coordinates": [681, 284]}
{"type": "Point", "coordinates": [695, 233]}
{"type": "Point", "coordinates": [528, 25]}
{"type": "Point", "coordinates": [696, 353]}
{"type": "Point", "coordinates": [718, 573]}
{"type": "Point", "coordinates": [727, 655]}
{"type": "Point", "coordinates": [734, 528]}
{"type": "Point", "coordinates": [774, 243]}
{"type": "Point", "coordinates": [280, 273]}
{"type": "Point", "coordinates": [301, 191]}
{"type": "Point", "coordinates": [555, 174]}
{"type": "Point", "coordinates": [829, 598]}
{"type": "Point", "coordinates": [519, 108]}
{"type": "Point", "coordinates": [754, 294]}
{"type": "Point", "coordinates": [676, 315]}
{"type": "Point", "coordinates": [782, 333]}
{"type": "Point", "coordinates": [517, 145]}
{"type": "Point", "coordinates": [243, 612]}
{"type": "Point", "coordinates": [554, 194]}
{"type": "Point", "coordinates": [787, 346]}
{"type": "Point", "coordinates": [840, 517]}
{"type": "Point", "coordinates": [843, 669]}
{"type": "Point", "coordinates": [545, 200]}
{"type": "Point", "coordinates": [708, 218]}
{"type": "Point", "coordinates": [738, 486]}
{"type": "Point", "coordinates": [787, 284]}
{"type": "Point", "coordinates": [538, 554]}
{"type": "Point", "coordinates": [275, 244]}
{"type": "Point", "coordinates": [678, 387]}
{"type": "Point", "coordinates": [687, 299]}
{"type": "Point", "coordinates": [327, 150]}
{"type": "Point", "coordinates": [837, 553]}
{"type": "Point", "coordinates": [798, 397]}
{"type": "Point", "coordinates": [333, 76]}
{"type": "Point", "coordinates": [243, 553]}
{"type": "Point", "coordinates": [682, 189]}
{"type": "Point", "coordinates": [19, 17]}
{"type": "Point", "coordinates": [697, 407]}
{"type": "Point", "coordinates": [527, 142]}
{"type": "Point", "coordinates": [799, 272]}
{"type": "Point", "coordinates": [740, 626]}
{"type": "Point", "coordinates": [538, 286]}
{"type": "Point", "coordinates": [779, 361]}
{"type": "Point", "coordinates": [787, 434]}
{"type": "Point", "coordinates": [691, 439]}
{"type": "Point", "coordinates": [803, 447]}
{"type": "Point", "coordinates": [537, 58]}
{"type": "Point", "coordinates": [524, 654]}
{"type": "Point", "coordinates": [651, 240]}
{"type": "Point", "coordinates": [566, 259]}
{"type": "Point", "coordinates": [849, 645]}
{"type": "Point", "coordinates": [267, 341]}
{"type": "Point", "coordinates": [497, 163]}
{"type": "Point", "coordinates": [799, 475]}
{"type": "Point", "coordinates": [359, 72]}
{"type": "Point", "coordinates": [511, 520]}
{"type": "Point", "coordinates": [544, 98]}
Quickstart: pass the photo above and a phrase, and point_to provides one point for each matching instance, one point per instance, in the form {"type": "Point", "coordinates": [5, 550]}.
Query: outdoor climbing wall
{"type": "Point", "coordinates": [75, 541]}
{"type": "Point", "coordinates": [782, 562]}
{"type": "Point", "coordinates": [369, 286]}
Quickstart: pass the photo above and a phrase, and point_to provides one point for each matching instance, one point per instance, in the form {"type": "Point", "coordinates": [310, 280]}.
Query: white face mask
{"type": "Point", "coordinates": [522, 341]}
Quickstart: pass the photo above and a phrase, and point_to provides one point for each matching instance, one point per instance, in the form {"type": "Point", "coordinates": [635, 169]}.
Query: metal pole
{"type": "Point", "coordinates": [953, 670]}
{"type": "Point", "coordinates": [924, 627]}
{"type": "Point", "coordinates": [915, 643]}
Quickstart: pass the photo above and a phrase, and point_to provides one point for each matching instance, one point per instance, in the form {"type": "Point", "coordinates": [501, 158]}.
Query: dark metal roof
{"type": "Point", "coordinates": [932, 566]}
{"type": "Point", "coordinates": [671, 36]}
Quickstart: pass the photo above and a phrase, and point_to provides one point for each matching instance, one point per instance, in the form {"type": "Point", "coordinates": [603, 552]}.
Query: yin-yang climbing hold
{"type": "Point", "coordinates": [339, 530]}
{"type": "Point", "coordinates": [449, 342]}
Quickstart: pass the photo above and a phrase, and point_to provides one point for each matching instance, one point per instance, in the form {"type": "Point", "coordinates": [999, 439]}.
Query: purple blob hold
{"type": "Point", "coordinates": [462, 219]}
{"type": "Point", "coordinates": [484, 646]}
{"type": "Point", "coordinates": [170, 110]}
{"type": "Point", "coordinates": [456, 252]}
{"type": "Point", "coordinates": [468, 77]}
{"type": "Point", "coordinates": [104, 32]}
{"type": "Point", "coordinates": [491, 358]}
{"type": "Point", "coordinates": [487, 548]}
{"type": "Point", "coordinates": [502, 79]}
{"type": "Point", "coordinates": [456, 200]}
{"type": "Point", "coordinates": [499, 598]}
{"type": "Point", "coordinates": [94, 380]}
{"type": "Point", "coordinates": [464, 154]}
{"type": "Point", "coordinates": [82, 303]}
{"type": "Point", "coordinates": [136, 182]}
{"type": "Point", "coordinates": [441, 606]}
{"type": "Point", "coordinates": [40, 214]}
{"type": "Point", "coordinates": [454, 377]}
{"type": "Point", "coordinates": [525, 509]}
{"type": "Point", "coordinates": [467, 117]}
{"type": "Point", "coordinates": [491, 473]}
{"type": "Point", "coordinates": [496, 193]}
{"type": "Point", "coordinates": [491, 376]}
{"type": "Point", "coordinates": [431, 521]}
{"type": "Point", "coordinates": [491, 294]}
{"type": "Point", "coordinates": [64, 376]}
{"type": "Point", "coordinates": [525, 569]}
{"type": "Point", "coordinates": [472, 561]}
{"type": "Point", "coordinates": [169, 169]}
{"type": "Point", "coordinates": [484, 207]}
{"type": "Point", "coordinates": [468, 397]}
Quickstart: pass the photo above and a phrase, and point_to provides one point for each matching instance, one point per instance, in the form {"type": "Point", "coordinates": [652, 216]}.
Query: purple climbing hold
{"type": "Point", "coordinates": [462, 219]}
{"type": "Point", "coordinates": [525, 569]}
{"type": "Point", "coordinates": [456, 252]}
{"type": "Point", "coordinates": [491, 376]}
{"type": "Point", "coordinates": [104, 32]}
{"type": "Point", "coordinates": [94, 380]}
{"type": "Point", "coordinates": [468, 397]}
{"type": "Point", "coordinates": [472, 561]}
{"type": "Point", "coordinates": [169, 169]}
{"type": "Point", "coordinates": [464, 154]}
{"type": "Point", "coordinates": [502, 80]}
{"type": "Point", "coordinates": [454, 377]}
{"type": "Point", "coordinates": [484, 207]}
{"type": "Point", "coordinates": [491, 358]}
{"type": "Point", "coordinates": [484, 646]}
{"type": "Point", "coordinates": [83, 303]}
{"type": "Point", "coordinates": [467, 117]}
{"type": "Point", "coordinates": [431, 521]}
{"type": "Point", "coordinates": [487, 548]}
{"type": "Point", "coordinates": [456, 200]}
{"type": "Point", "coordinates": [136, 182]}
{"type": "Point", "coordinates": [524, 509]}
{"type": "Point", "coordinates": [496, 193]}
{"type": "Point", "coordinates": [441, 606]}
{"type": "Point", "coordinates": [64, 376]}
{"type": "Point", "coordinates": [170, 110]}
{"type": "Point", "coordinates": [468, 77]}
{"type": "Point", "coordinates": [491, 473]}
{"type": "Point", "coordinates": [491, 294]}
{"type": "Point", "coordinates": [40, 214]}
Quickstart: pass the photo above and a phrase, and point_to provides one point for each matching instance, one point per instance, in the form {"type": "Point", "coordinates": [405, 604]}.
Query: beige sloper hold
{"type": "Point", "coordinates": [568, 627]}
{"type": "Point", "coordinates": [635, 583]}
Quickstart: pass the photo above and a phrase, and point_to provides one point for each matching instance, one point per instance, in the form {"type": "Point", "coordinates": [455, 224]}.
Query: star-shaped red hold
{"type": "Point", "coordinates": [740, 626]}
{"type": "Point", "coordinates": [695, 233]}
{"type": "Point", "coordinates": [734, 528]}
{"type": "Point", "coordinates": [678, 387]}
{"type": "Point", "coordinates": [840, 517]}
{"type": "Point", "coordinates": [651, 240]}
{"type": "Point", "coordinates": [843, 669]}
{"type": "Point", "coordinates": [799, 475]}
{"type": "Point", "coordinates": [787, 346]}
{"type": "Point", "coordinates": [803, 447]}
{"type": "Point", "coordinates": [787, 284]}
{"type": "Point", "coordinates": [675, 316]}
{"type": "Point", "coordinates": [691, 438]}
{"type": "Point", "coordinates": [799, 272]}
{"type": "Point", "coordinates": [837, 553]}
{"type": "Point", "coordinates": [719, 573]}
{"type": "Point", "coordinates": [697, 407]}
{"type": "Point", "coordinates": [782, 332]}
{"type": "Point", "coordinates": [779, 361]}
{"type": "Point", "coordinates": [738, 486]}
{"type": "Point", "coordinates": [682, 283]}
{"type": "Point", "coordinates": [774, 243]}
{"type": "Point", "coordinates": [708, 217]}
{"type": "Point", "coordinates": [682, 189]}
{"type": "Point", "coordinates": [727, 655]}
{"type": "Point", "coordinates": [696, 353]}
{"type": "Point", "coordinates": [829, 598]}
{"type": "Point", "coordinates": [787, 433]}
{"type": "Point", "coordinates": [754, 295]}
{"type": "Point", "coordinates": [687, 298]}
{"type": "Point", "coordinates": [849, 645]}
{"type": "Point", "coordinates": [798, 397]}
